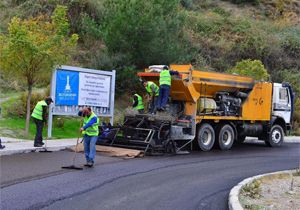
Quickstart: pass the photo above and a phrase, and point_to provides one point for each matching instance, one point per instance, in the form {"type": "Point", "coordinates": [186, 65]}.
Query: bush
{"type": "Point", "coordinates": [296, 118]}
{"type": "Point", "coordinates": [206, 24]}
{"type": "Point", "coordinates": [252, 68]}
{"type": "Point", "coordinates": [152, 33]}
{"type": "Point", "coordinates": [127, 80]}
{"type": "Point", "coordinates": [252, 189]}
{"type": "Point", "coordinates": [59, 122]}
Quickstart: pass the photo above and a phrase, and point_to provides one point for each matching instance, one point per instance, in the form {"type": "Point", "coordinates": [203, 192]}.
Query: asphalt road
{"type": "Point", "coordinates": [196, 181]}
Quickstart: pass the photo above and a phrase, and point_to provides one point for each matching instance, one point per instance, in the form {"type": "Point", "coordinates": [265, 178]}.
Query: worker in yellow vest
{"type": "Point", "coordinates": [164, 87]}
{"type": "Point", "coordinates": [39, 116]}
{"type": "Point", "coordinates": [90, 131]}
{"type": "Point", "coordinates": [153, 92]}
{"type": "Point", "coordinates": [138, 103]}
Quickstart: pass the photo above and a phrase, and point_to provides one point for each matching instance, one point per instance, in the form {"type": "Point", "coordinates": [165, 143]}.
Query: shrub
{"type": "Point", "coordinates": [152, 33]}
{"type": "Point", "coordinates": [296, 118]}
{"type": "Point", "coordinates": [252, 189]}
{"type": "Point", "coordinates": [290, 41]}
{"type": "Point", "coordinates": [252, 68]}
{"type": "Point", "coordinates": [59, 122]}
{"type": "Point", "coordinates": [127, 80]}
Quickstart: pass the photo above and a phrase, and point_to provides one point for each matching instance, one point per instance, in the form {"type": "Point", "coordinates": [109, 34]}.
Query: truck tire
{"type": "Point", "coordinates": [205, 137]}
{"type": "Point", "coordinates": [276, 136]}
{"type": "Point", "coordinates": [225, 137]}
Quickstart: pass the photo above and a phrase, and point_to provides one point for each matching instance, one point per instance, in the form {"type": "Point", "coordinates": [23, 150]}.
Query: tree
{"type": "Point", "coordinates": [251, 68]}
{"type": "Point", "coordinates": [145, 31]}
{"type": "Point", "coordinates": [33, 47]}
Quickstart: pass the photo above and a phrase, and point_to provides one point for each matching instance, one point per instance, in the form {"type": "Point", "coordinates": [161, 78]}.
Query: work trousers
{"type": "Point", "coordinates": [164, 92]}
{"type": "Point", "coordinates": [89, 147]}
{"type": "Point", "coordinates": [153, 104]}
{"type": "Point", "coordinates": [39, 131]}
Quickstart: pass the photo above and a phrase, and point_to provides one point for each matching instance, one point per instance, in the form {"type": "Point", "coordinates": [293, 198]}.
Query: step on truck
{"type": "Point", "coordinates": [207, 109]}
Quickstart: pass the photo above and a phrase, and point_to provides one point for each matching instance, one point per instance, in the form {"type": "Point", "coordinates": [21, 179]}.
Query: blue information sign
{"type": "Point", "coordinates": [67, 83]}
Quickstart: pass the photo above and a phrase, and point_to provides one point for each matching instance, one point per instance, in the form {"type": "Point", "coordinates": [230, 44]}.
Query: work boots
{"type": "Point", "coordinates": [1, 146]}
{"type": "Point", "coordinates": [89, 164]}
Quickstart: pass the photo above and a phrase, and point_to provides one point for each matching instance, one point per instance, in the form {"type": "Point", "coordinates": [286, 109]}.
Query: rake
{"type": "Point", "coordinates": [74, 157]}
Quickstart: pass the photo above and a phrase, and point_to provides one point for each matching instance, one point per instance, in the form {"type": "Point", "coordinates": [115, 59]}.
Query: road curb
{"type": "Point", "coordinates": [34, 149]}
{"type": "Point", "coordinates": [233, 199]}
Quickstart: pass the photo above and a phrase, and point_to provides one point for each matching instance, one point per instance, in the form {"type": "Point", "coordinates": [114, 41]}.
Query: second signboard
{"type": "Point", "coordinates": [83, 89]}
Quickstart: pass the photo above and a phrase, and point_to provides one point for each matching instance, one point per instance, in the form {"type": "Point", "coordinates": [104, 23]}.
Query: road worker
{"type": "Point", "coordinates": [153, 92]}
{"type": "Point", "coordinates": [39, 116]}
{"type": "Point", "coordinates": [90, 131]}
{"type": "Point", "coordinates": [164, 87]}
{"type": "Point", "coordinates": [138, 103]}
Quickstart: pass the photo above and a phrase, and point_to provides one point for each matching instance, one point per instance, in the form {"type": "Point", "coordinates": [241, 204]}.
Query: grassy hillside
{"type": "Point", "coordinates": [216, 33]}
{"type": "Point", "coordinates": [130, 35]}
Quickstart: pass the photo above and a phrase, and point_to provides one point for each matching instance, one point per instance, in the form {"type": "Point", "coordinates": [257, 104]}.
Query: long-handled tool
{"type": "Point", "coordinates": [74, 157]}
{"type": "Point", "coordinates": [45, 148]}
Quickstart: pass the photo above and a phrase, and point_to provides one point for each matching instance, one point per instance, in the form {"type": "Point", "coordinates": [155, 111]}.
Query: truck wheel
{"type": "Point", "coordinates": [225, 137]}
{"type": "Point", "coordinates": [275, 137]}
{"type": "Point", "coordinates": [206, 137]}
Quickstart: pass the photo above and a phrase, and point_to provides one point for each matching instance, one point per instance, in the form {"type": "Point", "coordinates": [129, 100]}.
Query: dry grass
{"type": "Point", "coordinates": [280, 191]}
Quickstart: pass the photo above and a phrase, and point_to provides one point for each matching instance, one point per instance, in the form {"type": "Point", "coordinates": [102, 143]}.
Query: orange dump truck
{"type": "Point", "coordinates": [210, 108]}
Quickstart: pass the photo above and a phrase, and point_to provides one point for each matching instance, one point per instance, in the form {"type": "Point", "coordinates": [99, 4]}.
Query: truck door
{"type": "Point", "coordinates": [282, 102]}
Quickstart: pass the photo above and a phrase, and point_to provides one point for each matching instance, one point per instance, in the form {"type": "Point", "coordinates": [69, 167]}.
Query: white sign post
{"type": "Point", "coordinates": [72, 87]}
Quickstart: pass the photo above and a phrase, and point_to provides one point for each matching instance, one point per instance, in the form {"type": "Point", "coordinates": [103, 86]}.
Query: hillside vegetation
{"type": "Point", "coordinates": [129, 35]}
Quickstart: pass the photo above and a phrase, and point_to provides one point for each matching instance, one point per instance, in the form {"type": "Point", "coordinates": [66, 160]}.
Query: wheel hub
{"type": "Point", "coordinates": [276, 136]}
{"type": "Point", "coordinates": [206, 138]}
{"type": "Point", "coordinates": [226, 138]}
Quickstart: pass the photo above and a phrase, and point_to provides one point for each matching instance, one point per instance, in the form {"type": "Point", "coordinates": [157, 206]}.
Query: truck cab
{"type": "Point", "coordinates": [282, 103]}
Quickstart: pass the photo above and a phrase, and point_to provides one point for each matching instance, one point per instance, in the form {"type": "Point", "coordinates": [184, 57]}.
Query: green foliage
{"type": "Point", "coordinates": [188, 4]}
{"type": "Point", "coordinates": [89, 27]}
{"type": "Point", "coordinates": [206, 24]}
{"type": "Point", "coordinates": [15, 127]}
{"type": "Point", "coordinates": [127, 80]}
{"type": "Point", "coordinates": [34, 46]}
{"type": "Point", "coordinates": [115, 34]}
{"type": "Point", "coordinates": [296, 118]}
{"type": "Point", "coordinates": [146, 32]}
{"type": "Point", "coordinates": [221, 11]}
{"type": "Point", "coordinates": [291, 76]}
{"type": "Point", "coordinates": [252, 68]}
{"type": "Point", "coordinates": [290, 41]}
{"type": "Point", "coordinates": [16, 106]}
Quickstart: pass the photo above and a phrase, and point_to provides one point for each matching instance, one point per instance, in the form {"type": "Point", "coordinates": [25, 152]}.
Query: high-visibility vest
{"type": "Point", "coordinates": [149, 89]}
{"type": "Point", "coordinates": [165, 78]}
{"type": "Point", "coordinates": [92, 130]}
{"type": "Point", "coordinates": [140, 104]}
{"type": "Point", "coordinates": [38, 110]}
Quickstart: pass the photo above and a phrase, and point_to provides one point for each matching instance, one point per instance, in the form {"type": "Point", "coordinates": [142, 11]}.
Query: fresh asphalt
{"type": "Point", "coordinates": [200, 180]}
